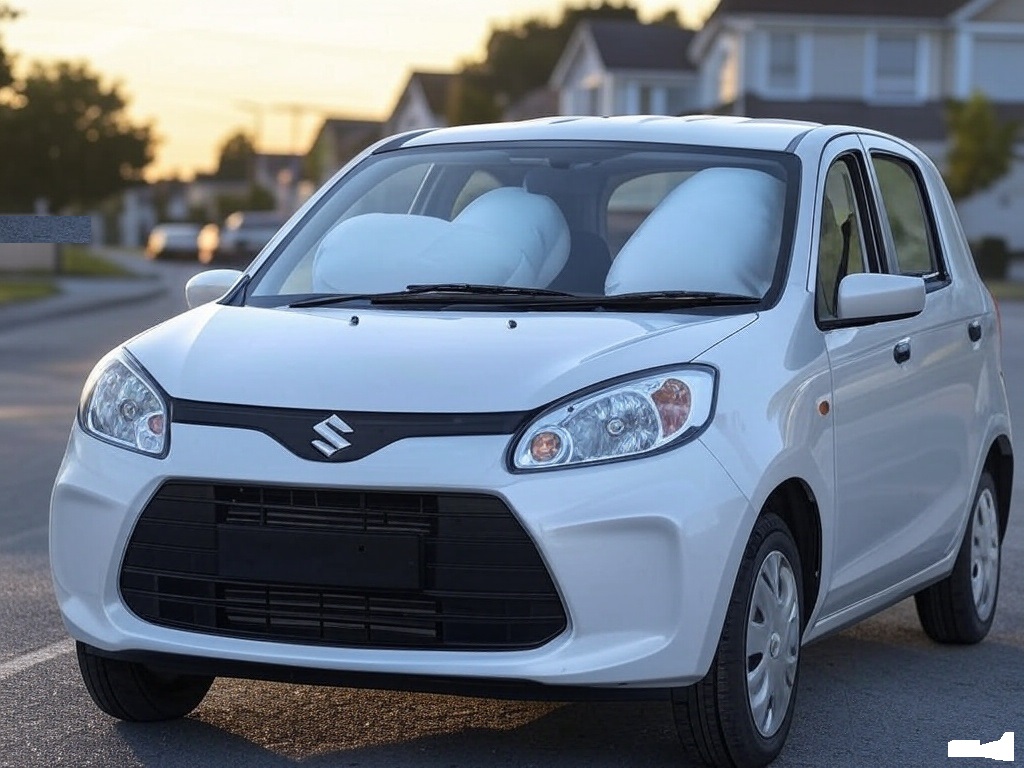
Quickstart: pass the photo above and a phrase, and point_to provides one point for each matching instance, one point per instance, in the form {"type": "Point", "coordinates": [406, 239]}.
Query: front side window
{"type": "Point", "coordinates": [906, 212]}
{"type": "Point", "coordinates": [584, 219]}
{"type": "Point", "coordinates": [896, 67]}
{"type": "Point", "coordinates": [841, 244]}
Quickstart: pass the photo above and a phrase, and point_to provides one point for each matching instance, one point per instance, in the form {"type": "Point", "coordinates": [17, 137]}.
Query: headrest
{"type": "Point", "coordinates": [719, 230]}
{"type": "Point", "coordinates": [505, 237]}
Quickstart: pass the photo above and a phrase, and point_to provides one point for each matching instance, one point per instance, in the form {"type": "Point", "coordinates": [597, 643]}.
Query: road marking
{"type": "Point", "coordinates": [26, 661]}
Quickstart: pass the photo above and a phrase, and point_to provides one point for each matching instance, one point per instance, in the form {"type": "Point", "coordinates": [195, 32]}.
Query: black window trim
{"type": "Point", "coordinates": [853, 159]}
{"type": "Point", "coordinates": [933, 281]}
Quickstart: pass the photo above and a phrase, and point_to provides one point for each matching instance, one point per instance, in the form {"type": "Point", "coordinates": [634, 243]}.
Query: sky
{"type": "Point", "coordinates": [201, 69]}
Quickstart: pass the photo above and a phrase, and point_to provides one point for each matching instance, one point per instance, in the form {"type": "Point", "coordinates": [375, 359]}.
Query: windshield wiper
{"type": "Point", "coordinates": [481, 290]}
{"type": "Point", "coordinates": [441, 290]}
{"type": "Point", "coordinates": [669, 297]}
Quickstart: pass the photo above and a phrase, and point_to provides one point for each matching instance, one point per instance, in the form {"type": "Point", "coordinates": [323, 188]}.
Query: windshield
{"type": "Point", "coordinates": [588, 219]}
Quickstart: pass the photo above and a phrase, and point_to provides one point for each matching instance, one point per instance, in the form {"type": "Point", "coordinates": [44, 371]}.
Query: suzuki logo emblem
{"type": "Point", "coordinates": [332, 431]}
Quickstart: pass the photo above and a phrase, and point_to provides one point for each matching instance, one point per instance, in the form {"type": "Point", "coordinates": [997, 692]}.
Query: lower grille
{"type": "Point", "coordinates": [340, 568]}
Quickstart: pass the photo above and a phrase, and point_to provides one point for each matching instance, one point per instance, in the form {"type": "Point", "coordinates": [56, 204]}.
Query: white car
{"type": "Point", "coordinates": [174, 240]}
{"type": "Point", "coordinates": [628, 407]}
{"type": "Point", "coordinates": [242, 236]}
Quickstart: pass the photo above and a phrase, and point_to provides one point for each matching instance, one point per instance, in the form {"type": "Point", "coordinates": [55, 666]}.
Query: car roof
{"type": "Point", "coordinates": [697, 130]}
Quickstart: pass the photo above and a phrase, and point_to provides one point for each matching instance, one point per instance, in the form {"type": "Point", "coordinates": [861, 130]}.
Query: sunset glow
{"type": "Point", "coordinates": [199, 70]}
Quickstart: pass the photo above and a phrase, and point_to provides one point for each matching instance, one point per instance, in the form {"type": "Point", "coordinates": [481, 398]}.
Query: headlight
{"type": "Point", "coordinates": [122, 405]}
{"type": "Point", "coordinates": [625, 419]}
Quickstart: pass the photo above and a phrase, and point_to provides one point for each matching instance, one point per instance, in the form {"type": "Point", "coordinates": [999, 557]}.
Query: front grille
{"type": "Point", "coordinates": [340, 568]}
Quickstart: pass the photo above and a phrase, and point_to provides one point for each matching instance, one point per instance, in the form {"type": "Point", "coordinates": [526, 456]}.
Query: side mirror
{"type": "Point", "coordinates": [209, 286]}
{"type": "Point", "coordinates": [872, 296]}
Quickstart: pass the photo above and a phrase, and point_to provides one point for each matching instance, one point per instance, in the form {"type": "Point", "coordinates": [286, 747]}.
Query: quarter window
{"type": "Point", "coordinates": [841, 245]}
{"type": "Point", "coordinates": [904, 204]}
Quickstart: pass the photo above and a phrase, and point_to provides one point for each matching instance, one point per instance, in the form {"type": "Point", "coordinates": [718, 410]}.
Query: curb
{"type": "Point", "coordinates": [38, 312]}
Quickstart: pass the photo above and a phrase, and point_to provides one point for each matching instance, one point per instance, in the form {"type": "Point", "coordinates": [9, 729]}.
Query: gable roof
{"type": "Point", "coordinates": [625, 44]}
{"type": "Point", "coordinates": [436, 87]}
{"type": "Point", "coordinates": [931, 9]}
{"type": "Point", "coordinates": [346, 134]}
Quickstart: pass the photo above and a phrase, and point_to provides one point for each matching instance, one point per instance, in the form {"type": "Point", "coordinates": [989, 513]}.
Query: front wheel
{"type": "Point", "coordinates": [960, 608]}
{"type": "Point", "coordinates": [137, 693]}
{"type": "Point", "coordinates": [739, 715]}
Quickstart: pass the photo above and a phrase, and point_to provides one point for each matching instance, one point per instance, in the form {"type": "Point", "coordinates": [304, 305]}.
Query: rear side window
{"type": "Point", "coordinates": [905, 208]}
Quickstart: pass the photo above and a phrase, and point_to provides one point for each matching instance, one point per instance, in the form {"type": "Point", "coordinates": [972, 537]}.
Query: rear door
{"type": "Point", "coordinates": [946, 346]}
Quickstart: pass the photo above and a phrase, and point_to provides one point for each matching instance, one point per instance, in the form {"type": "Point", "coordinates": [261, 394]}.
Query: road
{"type": "Point", "coordinates": [877, 694]}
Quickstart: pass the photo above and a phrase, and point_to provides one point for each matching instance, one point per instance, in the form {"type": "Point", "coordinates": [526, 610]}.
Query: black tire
{"type": "Point", "coordinates": [947, 609]}
{"type": "Point", "coordinates": [137, 693]}
{"type": "Point", "coordinates": [713, 717]}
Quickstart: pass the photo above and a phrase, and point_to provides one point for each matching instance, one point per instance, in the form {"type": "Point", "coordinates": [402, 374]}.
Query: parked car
{"type": "Point", "coordinates": [242, 235]}
{"type": "Point", "coordinates": [172, 241]}
{"type": "Point", "coordinates": [475, 424]}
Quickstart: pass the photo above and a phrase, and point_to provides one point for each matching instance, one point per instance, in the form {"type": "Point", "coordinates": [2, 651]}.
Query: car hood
{"type": "Point", "coordinates": [411, 360]}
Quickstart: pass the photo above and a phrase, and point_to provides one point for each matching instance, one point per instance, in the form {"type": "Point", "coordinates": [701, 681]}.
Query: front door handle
{"type": "Point", "coordinates": [974, 330]}
{"type": "Point", "coordinates": [901, 352]}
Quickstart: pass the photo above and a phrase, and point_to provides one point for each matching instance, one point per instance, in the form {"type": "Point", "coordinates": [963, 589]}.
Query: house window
{"type": "Point", "coordinates": [678, 99]}
{"type": "Point", "coordinates": [783, 61]}
{"type": "Point", "coordinates": [896, 67]}
{"type": "Point", "coordinates": [646, 105]}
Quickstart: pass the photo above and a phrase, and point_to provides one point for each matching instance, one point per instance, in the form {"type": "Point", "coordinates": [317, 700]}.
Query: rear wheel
{"type": "Point", "coordinates": [740, 713]}
{"type": "Point", "coordinates": [960, 608]}
{"type": "Point", "coordinates": [138, 693]}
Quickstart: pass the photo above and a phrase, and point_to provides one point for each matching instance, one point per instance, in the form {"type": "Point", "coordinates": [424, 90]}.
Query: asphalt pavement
{"type": "Point", "coordinates": [879, 694]}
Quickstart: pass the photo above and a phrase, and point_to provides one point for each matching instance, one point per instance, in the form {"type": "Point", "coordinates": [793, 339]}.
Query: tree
{"type": "Point", "coordinates": [520, 58]}
{"type": "Point", "coordinates": [981, 148]}
{"type": "Point", "coordinates": [65, 137]}
{"type": "Point", "coordinates": [7, 13]}
{"type": "Point", "coordinates": [237, 154]}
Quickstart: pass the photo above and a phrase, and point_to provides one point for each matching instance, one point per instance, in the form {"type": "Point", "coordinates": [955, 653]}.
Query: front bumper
{"type": "Point", "coordinates": [643, 553]}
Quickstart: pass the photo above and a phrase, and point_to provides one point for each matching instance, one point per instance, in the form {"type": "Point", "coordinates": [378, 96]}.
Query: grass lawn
{"type": "Point", "coordinates": [1006, 290]}
{"type": "Point", "coordinates": [79, 261]}
{"type": "Point", "coordinates": [25, 290]}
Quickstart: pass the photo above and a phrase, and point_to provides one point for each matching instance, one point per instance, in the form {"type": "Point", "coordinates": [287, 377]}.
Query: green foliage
{"type": "Point", "coordinates": [520, 58]}
{"type": "Point", "coordinates": [992, 257]}
{"type": "Point", "coordinates": [981, 148]}
{"type": "Point", "coordinates": [237, 154]}
{"type": "Point", "coordinates": [256, 199]}
{"type": "Point", "coordinates": [7, 13]}
{"type": "Point", "coordinates": [65, 137]}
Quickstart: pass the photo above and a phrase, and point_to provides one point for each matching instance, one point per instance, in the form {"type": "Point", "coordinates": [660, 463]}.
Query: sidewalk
{"type": "Point", "coordinates": [83, 294]}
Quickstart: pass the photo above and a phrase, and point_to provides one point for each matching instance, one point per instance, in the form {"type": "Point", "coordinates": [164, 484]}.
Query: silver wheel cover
{"type": "Point", "coordinates": [772, 643]}
{"type": "Point", "coordinates": [984, 554]}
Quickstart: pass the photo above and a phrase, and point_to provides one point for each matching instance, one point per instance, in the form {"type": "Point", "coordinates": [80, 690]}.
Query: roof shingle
{"type": "Point", "coordinates": [931, 9]}
{"type": "Point", "coordinates": [632, 45]}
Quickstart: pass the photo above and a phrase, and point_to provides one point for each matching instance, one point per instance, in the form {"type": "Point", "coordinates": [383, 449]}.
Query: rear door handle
{"type": "Point", "coordinates": [901, 352]}
{"type": "Point", "coordinates": [974, 330]}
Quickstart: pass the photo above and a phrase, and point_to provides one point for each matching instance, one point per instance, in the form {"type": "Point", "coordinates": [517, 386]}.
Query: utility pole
{"type": "Point", "coordinates": [257, 110]}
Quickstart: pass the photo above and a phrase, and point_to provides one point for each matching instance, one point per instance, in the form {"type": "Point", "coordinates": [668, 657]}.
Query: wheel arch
{"type": "Point", "coordinates": [999, 463]}
{"type": "Point", "coordinates": [794, 501]}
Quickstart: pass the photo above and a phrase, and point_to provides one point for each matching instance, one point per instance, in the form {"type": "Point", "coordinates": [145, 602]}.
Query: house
{"type": "Point", "coordinates": [884, 64]}
{"type": "Point", "coordinates": [423, 102]}
{"type": "Point", "coordinates": [338, 141]}
{"type": "Point", "coordinates": [540, 102]}
{"type": "Point", "coordinates": [621, 67]}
